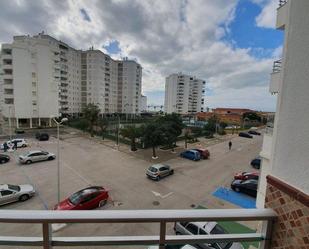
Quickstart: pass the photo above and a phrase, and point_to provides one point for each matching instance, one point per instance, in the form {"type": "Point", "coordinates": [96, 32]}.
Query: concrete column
{"type": "Point", "coordinates": [39, 121]}
{"type": "Point", "coordinates": [30, 122]}
{"type": "Point", "coordinates": [17, 123]}
{"type": "Point", "coordinates": [50, 122]}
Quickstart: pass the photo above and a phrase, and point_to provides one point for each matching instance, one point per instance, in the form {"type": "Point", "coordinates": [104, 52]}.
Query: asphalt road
{"type": "Point", "coordinates": [85, 162]}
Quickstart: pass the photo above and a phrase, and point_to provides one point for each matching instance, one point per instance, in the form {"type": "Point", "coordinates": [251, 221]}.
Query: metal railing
{"type": "Point", "coordinates": [277, 66]}
{"type": "Point", "coordinates": [282, 2]}
{"type": "Point", "coordinates": [161, 217]}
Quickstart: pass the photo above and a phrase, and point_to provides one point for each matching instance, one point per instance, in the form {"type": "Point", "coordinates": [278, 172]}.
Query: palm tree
{"type": "Point", "coordinates": [131, 132]}
{"type": "Point", "coordinates": [103, 124]}
{"type": "Point", "coordinates": [153, 137]}
{"type": "Point", "coordinates": [91, 114]}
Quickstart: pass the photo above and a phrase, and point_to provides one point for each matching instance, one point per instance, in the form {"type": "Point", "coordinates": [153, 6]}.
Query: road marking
{"type": "Point", "coordinates": [76, 173]}
{"type": "Point", "coordinates": [162, 196]}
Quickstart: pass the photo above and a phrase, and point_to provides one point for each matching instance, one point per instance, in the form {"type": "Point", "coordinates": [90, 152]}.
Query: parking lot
{"type": "Point", "coordinates": [86, 162]}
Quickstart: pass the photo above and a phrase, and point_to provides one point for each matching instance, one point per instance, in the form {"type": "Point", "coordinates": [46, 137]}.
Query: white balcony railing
{"type": "Point", "coordinates": [161, 217]}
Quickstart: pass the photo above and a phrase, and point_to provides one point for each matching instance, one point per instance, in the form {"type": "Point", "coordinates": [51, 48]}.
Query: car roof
{"type": "Point", "coordinates": [3, 186]}
{"type": "Point", "coordinates": [207, 226]}
{"type": "Point", "coordinates": [35, 151]}
{"type": "Point", "coordinates": [157, 166]}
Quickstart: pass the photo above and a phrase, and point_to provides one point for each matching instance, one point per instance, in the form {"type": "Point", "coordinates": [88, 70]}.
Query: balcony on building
{"type": "Point", "coordinates": [282, 14]}
{"type": "Point", "coordinates": [276, 77]}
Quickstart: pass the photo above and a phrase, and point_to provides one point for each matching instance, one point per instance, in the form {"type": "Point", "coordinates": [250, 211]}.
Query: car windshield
{"type": "Point", "coordinates": [75, 198]}
{"type": "Point", "coordinates": [153, 169]}
{"type": "Point", "coordinates": [219, 230]}
{"type": "Point", "coordinates": [13, 187]}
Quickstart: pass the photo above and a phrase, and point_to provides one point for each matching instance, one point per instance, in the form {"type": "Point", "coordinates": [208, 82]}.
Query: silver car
{"type": "Point", "coordinates": [157, 171]}
{"type": "Point", "coordinates": [36, 156]}
{"type": "Point", "coordinates": [12, 193]}
{"type": "Point", "coordinates": [205, 228]}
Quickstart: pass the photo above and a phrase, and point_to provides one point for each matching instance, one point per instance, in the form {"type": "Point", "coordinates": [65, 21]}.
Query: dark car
{"type": "Point", "coordinates": [4, 158]}
{"type": "Point", "coordinates": [42, 136]}
{"type": "Point", "coordinates": [254, 133]}
{"type": "Point", "coordinates": [248, 187]}
{"type": "Point", "coordinates": [244, 134]}
{"type": "Point", "coordinates": [204, 153]}
{"type": "Point", "coordinates": [246, 176]}
{"type": "Point", "coordinates": [256, 163]}
{"type": "Point", "coordinates": [191, 154]}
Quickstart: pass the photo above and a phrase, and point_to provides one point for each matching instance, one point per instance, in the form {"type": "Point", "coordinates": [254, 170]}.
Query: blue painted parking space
{"type": "Point", "coordinates": [235, 198]}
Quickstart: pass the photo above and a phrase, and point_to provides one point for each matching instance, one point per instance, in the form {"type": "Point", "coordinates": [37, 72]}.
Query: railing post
{"type": "Point", "coordinates": [162, 235]}
{"type": "Point", "coordinates": [47, 236]}
{"type": "Point", "coordinates": [267, 227]}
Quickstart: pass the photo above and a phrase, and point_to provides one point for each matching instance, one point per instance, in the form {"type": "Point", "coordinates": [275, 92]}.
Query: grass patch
{"type": "Point", "coordinates": [235, 227]}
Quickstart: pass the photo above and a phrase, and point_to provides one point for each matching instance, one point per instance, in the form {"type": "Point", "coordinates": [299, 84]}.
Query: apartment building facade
{"type": "Point", "coordinates": [43, 78]}
{"type": "Point", "coordinates": [184, 94]}
{"type": "Point", "coordinates": [284, 184]}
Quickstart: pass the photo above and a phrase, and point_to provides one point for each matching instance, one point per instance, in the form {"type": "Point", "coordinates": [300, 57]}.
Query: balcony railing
{"type": "Point", "coordinates": [282, 2]}
{"type": "Point", "coordinates": [47, 217]}
{"type": "Point", "coordinates": [277, 66]}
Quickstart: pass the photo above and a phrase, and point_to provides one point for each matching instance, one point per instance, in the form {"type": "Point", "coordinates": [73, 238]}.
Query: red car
{"type": "Point", "coordinates": [204, 153]}
{"type": "Point", "coordinates": [87, 198]}
{"type": "Point", "coordinates": [247, 176]}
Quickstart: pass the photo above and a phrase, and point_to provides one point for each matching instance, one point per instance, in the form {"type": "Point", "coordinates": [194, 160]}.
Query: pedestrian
{"type": "Point", "coordinates": [5, 146]}
{"type": "Point", "coordinates": [15, 145]}
{"type": "Point", "coordinates": [230, 145]}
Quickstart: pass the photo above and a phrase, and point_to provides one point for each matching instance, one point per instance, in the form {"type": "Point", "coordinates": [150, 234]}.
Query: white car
{"type": "Point", "coordinates": [36, 156]}
{"type": "Point", "coordinates": [12, 193]}
{"type": "Point", "coordinates": [21, 142]}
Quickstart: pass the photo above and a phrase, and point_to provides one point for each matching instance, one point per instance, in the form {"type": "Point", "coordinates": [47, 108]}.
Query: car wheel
{"type": "Point", "coordinates": [2, 161]}
{"type": "Point", "coordinates": [24, 197]}
{"type": "Point", "coordinates": [28, 162]}
{"type": "Point", "coordinates": [172, 172]}
{"type": "Point", "coordinates": [24, 145]}
{"type": "Point", "coordinates": [51, 158]}
{"type": "Point", "coordinates": [158, 178]}
{"type": "Point", "coordinates": [237, 189]}
{"type": "Point", "coordinates": [102, 203]}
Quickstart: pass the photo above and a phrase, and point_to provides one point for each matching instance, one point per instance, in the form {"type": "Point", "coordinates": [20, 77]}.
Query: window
{"type": "Point", "coordinates": [192, 228]}
{"type": "Point", "coordinates": [34, 102]}
{"type": "Point", "coordinates": [33, 93]}
{"type": "Point", "coordinates": [33, 84]}
{"type": "Point", "coordinates": [6, 192]}
{"type": "Point", "coordinates": [33, 75]}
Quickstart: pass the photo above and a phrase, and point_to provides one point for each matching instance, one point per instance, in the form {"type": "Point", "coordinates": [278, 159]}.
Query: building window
{"type": "Point", "coordinates": [33, 93]}
{"type": "Point", "coordinates": [33, 102]}
{"type": "Point", "coordinates": [33, 75]}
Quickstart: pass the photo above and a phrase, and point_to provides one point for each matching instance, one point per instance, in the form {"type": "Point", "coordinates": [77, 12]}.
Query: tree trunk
{"type": "Point", "coordinates": [154, 155]}
{"type": "Point", "coordinates": [133, 145]}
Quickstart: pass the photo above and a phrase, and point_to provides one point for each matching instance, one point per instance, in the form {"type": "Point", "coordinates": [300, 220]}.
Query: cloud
{"type": "Point", "coordinates": [267, 17]}
{"type": "Point", "coordinates": [165, 36]}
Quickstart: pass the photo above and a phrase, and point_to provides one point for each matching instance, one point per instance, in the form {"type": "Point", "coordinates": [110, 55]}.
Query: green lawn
{"type": "Point", "coordinates": [235, 227]}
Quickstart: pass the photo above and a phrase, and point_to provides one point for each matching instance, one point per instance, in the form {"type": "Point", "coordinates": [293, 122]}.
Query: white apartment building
{"type": "Point", "coordinates": [286, 146]}
{"type": "Point", "coordinates": [184, 94]}
{"type": "Point", "coordinates": [43, 77]}
{"type": "Point", "coordinates": [143, 104]}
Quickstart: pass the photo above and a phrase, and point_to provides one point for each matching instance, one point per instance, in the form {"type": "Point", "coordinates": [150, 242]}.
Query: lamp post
{"type": "Point", "coordinates": [58, 156]}
{"type": "Point", "coordinates": [10, 124]}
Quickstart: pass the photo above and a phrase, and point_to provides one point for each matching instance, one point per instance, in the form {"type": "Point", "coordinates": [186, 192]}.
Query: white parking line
{"type": "Point", "coordinates": [162, 196]}
{"type": "Point", "coordinates": [75, 172]}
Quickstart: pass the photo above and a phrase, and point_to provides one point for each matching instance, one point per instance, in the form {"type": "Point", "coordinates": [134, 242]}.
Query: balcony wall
{"type": "Point", "coordinates": [282, 16]}
{"type": "Point", "coordinates": [292, 207]}
{"type": "Point", "coordinates": [275, 79]}
{"type": "Point", "coordinates": [267, 145]}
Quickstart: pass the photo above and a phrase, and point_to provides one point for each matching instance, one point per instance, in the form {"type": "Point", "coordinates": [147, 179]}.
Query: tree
{"type": "Point", "coordinates": [252, 116]}
{"type": "Point", "coordinates": [103, 124]}
{"type": "Point", "coordinates": [153, 137]}
{"type": "Point", "coordinates": [211, 124]}
{"type": "Point", "coordinates": [91, 114]}
{"type": "Point", "coordinates": [132, 133]}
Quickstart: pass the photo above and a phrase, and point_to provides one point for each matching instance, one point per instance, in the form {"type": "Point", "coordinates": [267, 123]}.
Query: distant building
{"type": "Point", "coordinates": [143, 105]}
{"type": "Point", "coordinates": [42, 77]}
{"type": "Point", "coordinates": [184, 94]}
{"type": "Point", "coordinates": [237, 111]}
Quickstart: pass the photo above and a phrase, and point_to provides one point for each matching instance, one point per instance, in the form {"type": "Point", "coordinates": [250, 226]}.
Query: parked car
{"type": "Point", "coordinates": [246, 176]}
{"type": "Point", "coordinates": [85, 199]}
{"type": "Point", "coordinates": [256, 163]}
{"type": "Point", "coordinates": [4, 158]}
{"type": "Point", "coordinates": [191, 154]}
{"type": "Point", "coordinates": [204, 153]}
{"type": "Point", "coordinates": [248, 187]}
{"type": "Point", "coordinates": [36, 156]}
{"type": "Point", "coordinates": [19, 131]}
{"type": "Point", "coordinates": [244, 134]}
{"type": "Point", "coordinates": [205, 228]}
{"type": "Point", "coordinates": [252, 132]}
{"type": "Point", "coordinates": [42, 136]}
{"type": "Point", "coordinates": [157, 171]}
{"type": "Point", "coordinates": [12, 193]}
{"type": "Point", "coordinates": [21, 142]}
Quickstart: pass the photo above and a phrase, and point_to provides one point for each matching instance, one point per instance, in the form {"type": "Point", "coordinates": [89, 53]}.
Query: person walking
{"type": "Point", "coordinates": [5, 146]}
{"type": "Point", "coordinates": [230, 145]}
{"type": "Point", "coordinates": [15, 145]}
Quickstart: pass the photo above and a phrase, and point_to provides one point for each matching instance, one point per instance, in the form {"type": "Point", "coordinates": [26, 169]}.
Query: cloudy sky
{"type": "Point", "coordinates": [229, 43]}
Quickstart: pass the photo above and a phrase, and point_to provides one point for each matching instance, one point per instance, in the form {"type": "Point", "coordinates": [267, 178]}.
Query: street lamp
{"type": "Point", "coordinates": [10, 124]}
{"type": "Point", "coordinates": [58, 155]}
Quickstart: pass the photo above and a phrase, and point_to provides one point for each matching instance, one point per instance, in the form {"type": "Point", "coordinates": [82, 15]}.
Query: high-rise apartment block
{"type": "Point", "coordinates": [184, 94]}
{"type": "Point", "coordinates": [42, 77]}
